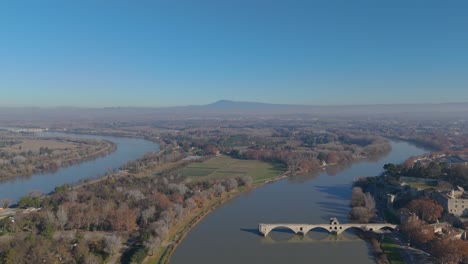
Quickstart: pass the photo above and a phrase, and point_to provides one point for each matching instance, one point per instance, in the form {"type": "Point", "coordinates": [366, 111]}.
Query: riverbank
{"type": "Point", "coordinates": [179, 232]}
{"type": "Point", "coordinates": [124, 150]}
{"type": "Point", "coordinates": [375, 246]}
{"type": "Point", "coordinates": [40, 156]}
{"type": "Point", "coordinates": [308, 199]}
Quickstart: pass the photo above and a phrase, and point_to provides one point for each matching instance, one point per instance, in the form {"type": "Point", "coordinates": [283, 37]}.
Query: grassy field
{"type": "Point", "coordinates": [217, 167]}
{"type": "Point", "coordinates": [420, 186]}
{"type": "Point", "coordinates": [225, 167]}
{"type": "Point", "coordinates": [392, 252]}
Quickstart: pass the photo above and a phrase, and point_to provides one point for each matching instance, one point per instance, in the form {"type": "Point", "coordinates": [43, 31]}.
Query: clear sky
{"type": "Point", "coordinates": [162, 53]}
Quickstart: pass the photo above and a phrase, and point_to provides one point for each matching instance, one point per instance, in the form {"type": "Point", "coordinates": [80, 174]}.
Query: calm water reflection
{"type": "Point", "coordinates": [229, 235]}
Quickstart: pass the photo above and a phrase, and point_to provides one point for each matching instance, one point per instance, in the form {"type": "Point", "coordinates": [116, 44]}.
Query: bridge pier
{"type": "Point", "coordinates": [333, 227]}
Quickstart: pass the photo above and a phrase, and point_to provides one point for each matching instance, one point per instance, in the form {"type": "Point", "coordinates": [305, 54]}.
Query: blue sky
{"type": "Point", "coordinates": [164, 53]}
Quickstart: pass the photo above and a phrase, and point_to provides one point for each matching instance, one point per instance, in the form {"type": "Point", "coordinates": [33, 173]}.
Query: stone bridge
{"type": "Point", "coordinates": [293, 239]}
{"type": "Point", "coordinates": [333, 227]}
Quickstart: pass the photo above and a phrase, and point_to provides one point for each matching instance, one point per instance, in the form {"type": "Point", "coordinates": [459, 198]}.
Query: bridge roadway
{"type": "Point", "coordinates": [333, 227]}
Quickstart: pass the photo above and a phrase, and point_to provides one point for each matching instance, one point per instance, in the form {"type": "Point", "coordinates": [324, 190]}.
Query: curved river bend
{"type": "Point", "coordinates": [127, 149]}
{"type": "Point", "coordinates": [229, 234]}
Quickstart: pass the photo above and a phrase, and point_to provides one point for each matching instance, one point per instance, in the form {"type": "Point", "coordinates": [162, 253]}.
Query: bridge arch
{"type": "Point", "coordinates": [333, 227]}
{"type": "Point", "coordinates": [372, 228]}
{"type": "Point", "coordinates": [317, 227]}
{"type": "Point", "coordinates": [351, 227]}
{"type": "Point", "coordinates": [278, 227]}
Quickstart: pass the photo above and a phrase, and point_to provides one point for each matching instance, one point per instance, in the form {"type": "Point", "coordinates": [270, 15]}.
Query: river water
{"type": "Point", "coordinates": [229, 234]}
{"type": "Point", "coordinates": [127, 149]}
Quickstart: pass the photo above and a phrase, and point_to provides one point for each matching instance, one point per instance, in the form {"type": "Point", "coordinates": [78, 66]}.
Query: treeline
{"type": "Point", "coordinates": [309, 160]}
{"type": "Point", "coordinates": [87, 224]}
{"type": "Point", "coordinates": [151, 160]}
{"type": "Point", "coordinates": [208, 142]}
{"type": "Point", "coordinates": [44, 160]}
{"type": "Point", "coordinates": [417, 223]}
{"type": "Point", "coordinates": [309, 149]}
{"type": "Point", "coordinates": [455, 174]}
{"type": "Point", "coordinates": [423, 213]}
{"type": "Point", "coordinates": [363, 206]}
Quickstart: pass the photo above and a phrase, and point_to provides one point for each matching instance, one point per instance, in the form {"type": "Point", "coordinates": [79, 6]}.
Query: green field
{"type": "Point", "coordinates": [226, 167]}
{"type": "Point", "coordinates": [392, 252]}
{"type": "Point", "coordinates": [420, 186]}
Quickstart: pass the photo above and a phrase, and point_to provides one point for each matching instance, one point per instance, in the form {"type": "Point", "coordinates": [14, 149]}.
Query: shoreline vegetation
{"type": "Point", "coordinates": [165, 253]}
{"type": "Point", "coordinates": [25, 155]}
{"type": "Point", "coordinates": [154, 201]}
{"type": "Point", "coordinates": [64, 219]}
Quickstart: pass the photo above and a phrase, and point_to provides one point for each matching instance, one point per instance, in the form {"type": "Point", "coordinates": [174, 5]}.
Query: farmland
{"type": "Point", "coordinates": [225, 167]}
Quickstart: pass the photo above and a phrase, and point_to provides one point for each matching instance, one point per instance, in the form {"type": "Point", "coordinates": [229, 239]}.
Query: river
{"type": "Point", "coordinates": [127, 149]}
{"type": "Point", "coordinates": [229, 234]}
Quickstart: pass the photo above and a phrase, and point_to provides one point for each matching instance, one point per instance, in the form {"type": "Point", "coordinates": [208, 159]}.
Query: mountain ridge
{"type": "Point", "coordinates": [229, 109]}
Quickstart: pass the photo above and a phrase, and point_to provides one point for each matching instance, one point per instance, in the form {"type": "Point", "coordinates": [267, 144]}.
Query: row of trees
{"type": "Point", "coordinates": [456, 174]}
{"type": "Point", "coordinates": [142, 208]}
{"type": "Point", "coordinates": [418, 226]}
{"type": "Point", "coordinates": [317, 148]}
{"type": "Point", "coordinates": [362, 206]}
{"type": "Point", "coordinates": [420, 229]}
{"type": "Point", "coordinates": [153, 159]}
{"type": "Point", "coordinates": [26, 163]}
{"type": "Point", "coordinates": [309, 160]}
{"type": "Point", "coordinates": [422, 213]}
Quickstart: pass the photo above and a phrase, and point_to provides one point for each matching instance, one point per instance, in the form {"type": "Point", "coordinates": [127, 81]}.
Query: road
{"type": "Point", "coordinates": [409, 254]}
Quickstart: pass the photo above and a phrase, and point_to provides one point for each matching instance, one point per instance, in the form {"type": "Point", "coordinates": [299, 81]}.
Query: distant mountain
{"type": "Point", "coordinates": [417, 111]}
{"type": "Point", "coordinates": [238, 104]}
{"type": "Point", "coordinates": [227, 108]}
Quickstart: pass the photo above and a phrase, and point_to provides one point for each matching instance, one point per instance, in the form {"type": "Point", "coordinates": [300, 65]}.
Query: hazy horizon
{"type": "Point", "coordinates": [237, 102]}
{"type": "Point", "coordinates": [158, 54]}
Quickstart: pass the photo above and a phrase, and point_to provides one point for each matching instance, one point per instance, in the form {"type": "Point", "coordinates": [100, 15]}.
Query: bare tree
{"type": "Point", "coordinates": [18, 159]}
{"type": "Point", "coordinates": [230, 184]}
{"type": "Point", "coordinates": [357, 197]}
{"type": "Point", "coordinates": [369, 203]}
{"type": "Point", "coordinates": [152, 243]}
{"type": "Point", "coordinates": [135, 194]}
{"type": "Point", "coordinates": [5, 203]}
{"type": "Point", "coordinates": [246, 181]}
{"type": "Point", "coordinates": [218, 189]}
{"type": "Point", "coordinates": [166, 216]}
{"type": "Point", "coordinates": [359, 214]}
{"type": "Point", "coordinates": [160, 229]}
{"type": "Point", "coordinates": [62, 216]}
{"type": "Point", "coordinates": [50, 217]}
{"type": "Point", "coordinates": [179, 211]}
{"type": "Point", "coordinates": [72, 195]}
{"type": "Point", "coordinates": [111, 242]}
{"type": "Point", "coordinates": [147, 214]}
{"type": "Point", "coordinates": [190, 203]}
{"type": "Point", "coordinates": [363, 206]}
{"type": "Point", "coordinates": [180, 188]}
{"type": "Point", "coordinates": [91, 259]}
